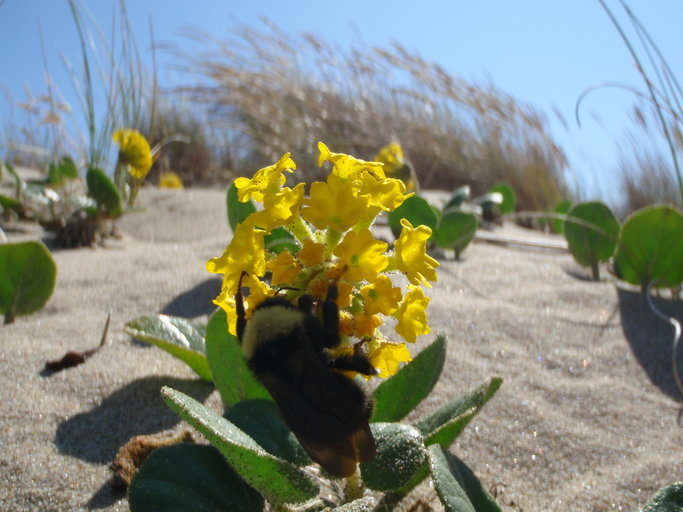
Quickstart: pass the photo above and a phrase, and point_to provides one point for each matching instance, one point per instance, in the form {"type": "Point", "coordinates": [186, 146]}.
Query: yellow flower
{"type": "Point", "coordinates": [381, 296]}
{"type": "Point", "coordinates": [285, 268]}
{"type": "Point", "coordinates": [311, 253]}
{"type": "Point", "coordinates": [246, 252]}
{"type": "Point", "coordinates": [334, 204]}
{"type": "Point", "coordinates": [387, 194]}
{"type": "Point", "coordinates": [411, 315]}
{"type": "Point", "coordinates": [267, 180]}
{"type": "Point", "coordinates": [387, 357]}
{"type": "Point", "coordinates": [347, 166]}
{"type": "Point", "coordinates": [362, 255]}
{"type": "Point", "coordinates": [344, 290]}
{"type": "Point", "coordinates": [364, 326]}
{"type": "Point", "coordinates": [170, 179]}
{"type": "Point", "coordinates": [391, 156]}
{"type": "Point", "coordinates": [134, 151]}
{"type": "Point", "coordinates": [278, 207]}
{"type": "Point", "coordinates": [411, 254]}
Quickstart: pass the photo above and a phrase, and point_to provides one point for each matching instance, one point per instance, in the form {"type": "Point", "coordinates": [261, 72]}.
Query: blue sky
{"type": "Point", "coordinates": [543, 52]}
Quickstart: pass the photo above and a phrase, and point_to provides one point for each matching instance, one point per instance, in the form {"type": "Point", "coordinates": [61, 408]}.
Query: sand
{"type": "Point", "coordinates": [586, 419]}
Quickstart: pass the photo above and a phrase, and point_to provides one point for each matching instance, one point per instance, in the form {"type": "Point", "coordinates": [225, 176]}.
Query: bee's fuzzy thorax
{"type": "Point", "coordinates": [267, 324]}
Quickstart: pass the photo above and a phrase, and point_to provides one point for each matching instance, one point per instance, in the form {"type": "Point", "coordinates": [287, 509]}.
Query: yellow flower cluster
{"type": "Point", "coordinates": [331, 226]}
{"type": "Point", "coordinates": [134, 151]}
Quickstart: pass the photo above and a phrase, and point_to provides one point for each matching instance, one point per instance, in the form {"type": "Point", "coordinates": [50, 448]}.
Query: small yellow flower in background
{"type": "Point", "coordinates": [170, 179]}
{"type": "Point", "coordinates": [395, 165]}
{"type": "Point", "coordinates": [411, 314]}
{"type": "Point", "coordinates": [411, 254]}
{"type": "Point", "coordinates": [284, 268]}
{"type": "Point", "coordinates": [332, 242]}
{"type": "Point", "coordinates": [134, 151]}
{"type": "Point", "coordinates": [268, 180]}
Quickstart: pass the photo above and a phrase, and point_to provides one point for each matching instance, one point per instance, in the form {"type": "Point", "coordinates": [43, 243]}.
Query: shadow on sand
{"type": "Point", "coordinates": [195, 302]}
{"type": "Point", "coordinates": [651, 338]}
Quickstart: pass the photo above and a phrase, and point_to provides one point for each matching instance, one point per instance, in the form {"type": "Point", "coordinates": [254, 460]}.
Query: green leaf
{"type": "Point", "coordinates": [456, 485]}
{"type": "Point", "coordinates": [276, 479]}
{"type": "Point", "coordinates": [400, 454]}
{"type": "Point", "coordinates": [563, 208]}
{"type": "Point", "coordinates": [667, 499]}
{"type": "Point", "coordinates": [509, 198]}
{"type": "Point", "coordinates": [651, 247]}
{"type": "Point", "coordinates": [232, 377]}
{"type": "Point", "coordinates": [594, 239]}
{"type": "Point", "coordinates": [237, 211]}
{"type": "Point", "coordinates": [279, 239]}
{"type": "Point", "coordinates": [191, 478]}
{"type": "Point", "coordinates": [400, 394]}
{"type": "Point", "coordinates": [445, 424]}
{"type": "Point", "coordinates": [102, 189]}
{"type": "Point", "coordinates": [27, 278]}
{"type": "Point", "coordinates": [178, 336]}
{"type": "Point", "coordinates": [260, 419]}
{"type": "Point", "coordinates": [417, 211]}
{"type": "Point", "coordinates": [456, 230]}
{"type": "Point", "coordinates": [58, 173]}
{"type": "Point", "coordinates": [459, 196]}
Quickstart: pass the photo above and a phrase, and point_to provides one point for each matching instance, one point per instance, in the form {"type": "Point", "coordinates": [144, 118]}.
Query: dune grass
{"type": "Point", "coordinates": [274, 92]}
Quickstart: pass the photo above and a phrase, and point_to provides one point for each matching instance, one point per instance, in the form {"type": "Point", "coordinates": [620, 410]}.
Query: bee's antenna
{"type": "Point", "coordinates": [239, 306]}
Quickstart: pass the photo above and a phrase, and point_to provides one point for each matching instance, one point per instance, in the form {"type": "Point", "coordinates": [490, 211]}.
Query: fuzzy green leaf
{"type": "Point", "coordinates": [27, 278]}
{"type": "Point", "coordinates": [509, 198]}
{"type": "Point", "coordinates": [456, 230]}
{"type": "Point", "coordinates": [417, 211]}
{"type": "Point", "coordinates": [667, 499]}
{"type": "Point", "coordinates": [456, 485]}
{"type": "Point", "coordinates": [595, 238]}
{"type": "Point", "coordinates": [190, 478]}
{"type": "Point", "coordinates": [178, 336]}
{"type": "Point", "coordinates": [237, 210]}
{"type": "Point", "coordinates": [102, 189]}
{"type": "Point", "coordinates": [261, 420]}
{"type": "Point", "coordinates": [276, 479]}
{"type": "Point", "coordinates": [400, 394]}
{"type": "Point", "coordinates": [651, 247]}
{"type": "Point", "coordinates": [400, 454]}
{"type": "Point", "coordinates": [445, 424]}
{"type": "Point", "coordinates": [230, 373]}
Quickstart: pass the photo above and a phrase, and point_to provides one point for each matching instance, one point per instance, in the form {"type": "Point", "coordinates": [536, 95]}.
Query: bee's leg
{"type": "Point", "coordinates": [330, 317]}
{"type": "Point", "coordinates": [239, 306]}
{"type": "Point", "coordinates": [358, 362]}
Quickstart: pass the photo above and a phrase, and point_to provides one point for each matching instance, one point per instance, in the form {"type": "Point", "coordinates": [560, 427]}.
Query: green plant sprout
{"type": "Point", "coordinates": [591, 245]}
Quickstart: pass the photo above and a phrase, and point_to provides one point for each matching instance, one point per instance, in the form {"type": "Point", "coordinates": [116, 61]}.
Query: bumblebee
{"type": "Point", "coordinates": [286, 347]}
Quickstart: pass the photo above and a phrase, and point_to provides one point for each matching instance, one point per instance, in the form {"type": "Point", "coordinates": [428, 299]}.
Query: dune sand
{"type": "Point", "coordinates": [586, 418]}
